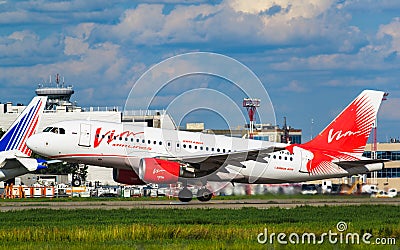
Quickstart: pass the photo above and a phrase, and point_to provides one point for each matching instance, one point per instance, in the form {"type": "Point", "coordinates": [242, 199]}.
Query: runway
{"type": "Point", "coordinates": [175, 204]}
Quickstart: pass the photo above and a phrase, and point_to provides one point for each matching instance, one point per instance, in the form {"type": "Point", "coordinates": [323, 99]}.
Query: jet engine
{"type": "Point", "coordinates": [160, 171]}
{"type": "Point", "coordinates": [126, 176]}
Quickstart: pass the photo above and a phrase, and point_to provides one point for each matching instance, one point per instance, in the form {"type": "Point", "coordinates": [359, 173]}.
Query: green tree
{"type": "Point", "coordinates": [63, 168]}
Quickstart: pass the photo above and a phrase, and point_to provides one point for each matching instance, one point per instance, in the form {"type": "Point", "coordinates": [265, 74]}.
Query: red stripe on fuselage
{"type": "Point", "coordinates": [89, 155]}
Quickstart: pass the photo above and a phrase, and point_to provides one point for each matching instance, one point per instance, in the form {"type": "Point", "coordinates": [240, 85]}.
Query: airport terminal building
{"type": "Point", "coordinates": [389, 177]}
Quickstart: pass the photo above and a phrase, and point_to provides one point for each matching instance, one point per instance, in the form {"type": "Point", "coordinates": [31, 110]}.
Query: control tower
{"type": "Point", "coordinates": [58, 95]}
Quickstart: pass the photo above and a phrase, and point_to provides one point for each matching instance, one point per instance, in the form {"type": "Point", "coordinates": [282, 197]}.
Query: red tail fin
{"type": "Point", "coordinates": [349, 131]}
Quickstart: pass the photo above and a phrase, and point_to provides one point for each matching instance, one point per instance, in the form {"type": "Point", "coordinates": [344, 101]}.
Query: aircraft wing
{"type": "Point", "coordinates": [13, 165]}
{"type": "Point", "coordinates": [213, 162]}
{"type": "Point", "coordinates": [29, 164]}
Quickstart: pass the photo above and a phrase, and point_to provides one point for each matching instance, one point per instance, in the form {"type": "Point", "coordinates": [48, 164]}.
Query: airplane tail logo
{"type": "Point", "coordinates": [349, 131]}
{"type": "Point", "coordinates": [23, 127]}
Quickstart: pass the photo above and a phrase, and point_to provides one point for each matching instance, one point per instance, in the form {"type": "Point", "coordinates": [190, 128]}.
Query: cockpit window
{"type": "Point", "coordinates": [54, 130]}
{"type": "Point", "coordinates": [47, 129]}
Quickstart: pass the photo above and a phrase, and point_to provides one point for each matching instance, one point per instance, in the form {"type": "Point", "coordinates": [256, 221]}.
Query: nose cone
{"type": "Point", "coordinates": [34, 144]}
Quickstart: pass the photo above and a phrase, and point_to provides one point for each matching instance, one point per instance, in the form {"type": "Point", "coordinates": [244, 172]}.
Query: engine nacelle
{"type": "Point", "coordinates": [159, 171]}
{"type": "Point", "coordinates": [126, 176]}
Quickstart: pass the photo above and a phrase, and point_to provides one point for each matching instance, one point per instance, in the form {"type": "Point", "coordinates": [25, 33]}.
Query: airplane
{"type": "Point", "coordinates": [15, 157]}
{"type": "Point", "coordinates": [140, 155]}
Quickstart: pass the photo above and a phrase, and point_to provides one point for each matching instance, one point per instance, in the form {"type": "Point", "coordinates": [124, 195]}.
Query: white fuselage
{"type": "Point", "coordinates": [118, 145]}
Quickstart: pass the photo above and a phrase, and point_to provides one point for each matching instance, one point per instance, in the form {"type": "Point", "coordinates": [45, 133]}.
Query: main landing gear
{"type": "Point", "coordinates": [185, 195]}
{"type": "Point", "coordinates": [203, 194]}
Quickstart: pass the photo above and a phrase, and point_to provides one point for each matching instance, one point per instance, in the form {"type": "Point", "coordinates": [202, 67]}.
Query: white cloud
{"type": "Point", "coordinates": [290, 9]}
{"type": "Point", "coordinates": [370, 5]}
{"type": "Point", "coordinates": [75, 46]}
{"type": "Point", "coordinates": [294, 86]}
{"type": "Point", "coordinates": [83, 30]}
{"type": "Point", "coordinates": [26, 47]}
{"type": "Point", "coordinates": [141, 24]}
{"type": "Point", "coordinates": [22, 35]}
{"type": "Point", "coordinates": [51, 6]}
{"type": "Point", "coordinates": [233, 23]}
{"type": "Point", "coordinates": [393, 31]}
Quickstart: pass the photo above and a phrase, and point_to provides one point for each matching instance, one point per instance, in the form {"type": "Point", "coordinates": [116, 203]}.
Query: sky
{"type": "Point", "coordinates": [313, 57]}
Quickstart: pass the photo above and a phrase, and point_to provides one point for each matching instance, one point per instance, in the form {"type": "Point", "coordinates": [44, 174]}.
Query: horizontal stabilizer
{"type": "Point", "coordinates": [29, 163]}
{"type": "Point", "coordinates": [351, 164]}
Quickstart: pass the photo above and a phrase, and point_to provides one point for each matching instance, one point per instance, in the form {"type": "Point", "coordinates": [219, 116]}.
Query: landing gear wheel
{"type": "Point", "coordinates": [185, 195]}
{"type": "Point", "coordinates": [204, 194]}
{"type": "Point", "coordinates": [76, 182]}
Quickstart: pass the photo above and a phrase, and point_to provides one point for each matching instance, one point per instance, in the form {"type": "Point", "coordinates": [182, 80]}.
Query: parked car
{"type": "Point", "coordinates": [392, 192]}
{"type": "Point", "coordinates": [108, 195]}
{"type": "Point", "coordinates": [309, 189]}
{"type": "Point", "coordinates": [383, 194]}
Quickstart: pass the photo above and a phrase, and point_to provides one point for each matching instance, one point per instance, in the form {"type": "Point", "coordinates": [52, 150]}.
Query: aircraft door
{"type": "Point", "coordinates": [84, 136]}
{"type": "Point", "coordinates": [306, 156]}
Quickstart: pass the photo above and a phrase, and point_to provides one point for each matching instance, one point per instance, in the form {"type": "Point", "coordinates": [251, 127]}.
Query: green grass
{"type": "Point", "coordinates": [188, 229]}
{"type": "Point", "coordinates": [268, 196]}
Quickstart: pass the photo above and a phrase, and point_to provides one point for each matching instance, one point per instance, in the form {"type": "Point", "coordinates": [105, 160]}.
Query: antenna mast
{"type": "Point", "coordinates": [251, 104]}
